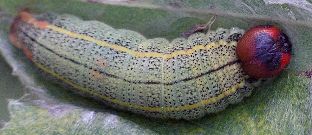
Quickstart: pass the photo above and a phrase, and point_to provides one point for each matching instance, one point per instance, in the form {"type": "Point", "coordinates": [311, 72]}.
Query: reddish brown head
{"type": "Point", "coordinates": [264, 51]}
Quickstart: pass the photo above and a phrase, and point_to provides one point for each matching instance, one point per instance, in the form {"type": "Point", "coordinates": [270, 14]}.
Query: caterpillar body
{"type": "Point", "coordinates": [181, 79]}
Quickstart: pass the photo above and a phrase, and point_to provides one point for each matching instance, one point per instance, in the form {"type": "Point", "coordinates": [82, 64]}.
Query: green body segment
{"type": "Point", "coordinates": [195, 76]}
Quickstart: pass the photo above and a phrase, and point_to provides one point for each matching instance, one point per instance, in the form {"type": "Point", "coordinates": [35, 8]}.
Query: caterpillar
{"type": "Point", "coordinates": [182, 79]}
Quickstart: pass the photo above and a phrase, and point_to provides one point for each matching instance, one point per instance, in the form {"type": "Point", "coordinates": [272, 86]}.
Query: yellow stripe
{"type": "Point", "coordinates": [136, 53]}
{"type": "Point", "coordinates": [211, 100]}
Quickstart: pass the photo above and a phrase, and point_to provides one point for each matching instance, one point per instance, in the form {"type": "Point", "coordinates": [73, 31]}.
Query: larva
{"type": "Point", "coordinates": [181, 79]}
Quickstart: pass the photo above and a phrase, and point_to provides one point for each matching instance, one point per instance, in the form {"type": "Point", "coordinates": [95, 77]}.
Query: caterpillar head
{"type": "Point", "coordinates": [264, 51]}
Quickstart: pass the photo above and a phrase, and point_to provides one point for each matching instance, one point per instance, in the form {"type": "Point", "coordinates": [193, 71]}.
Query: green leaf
{"type": "Point", "coordinates": [280, 107]}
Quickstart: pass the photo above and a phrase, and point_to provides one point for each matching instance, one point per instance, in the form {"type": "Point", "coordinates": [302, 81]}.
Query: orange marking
{"type": "Point", "coordinates": [28, 53]}
{"type": "Point", "coordinates": [14, 40]}
{"type": "Point", "coordinates": [101, 62]}
{"type": "Point", "coordinates": [13, 33]}
{"type": "Point", "coordinates": [41, 24]}
{"type": "Point", "coordinates": [96, 75]}
{"type": "Point", "coordinates": [28, 18]}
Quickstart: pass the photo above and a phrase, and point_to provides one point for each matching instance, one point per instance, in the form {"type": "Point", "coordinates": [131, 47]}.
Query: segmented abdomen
{"type": "Point", "coordinates": [184, 78]}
